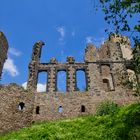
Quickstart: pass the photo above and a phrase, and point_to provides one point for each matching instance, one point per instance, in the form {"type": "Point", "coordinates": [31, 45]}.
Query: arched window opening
{"type": "Point", "coordinates": [37, 110]}
{"type": "Point", "coordinates": [81, 84]}
{"type": "Point", "coordinates": [21, 106]}
{"type": "Point", "coordinates": [106, 85]}
{"type": "Point", "coordinates": [60, 109]}
{"type": "Point", "coordinates": [42, 82]}
{"type": "Point", "coordinates": [61, 81]}
{"type": "Point", "coordinates": [83, 109]}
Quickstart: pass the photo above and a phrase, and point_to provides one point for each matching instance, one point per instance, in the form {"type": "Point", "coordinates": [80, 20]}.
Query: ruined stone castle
{"type": "Point", "coordinates": [106, 71]}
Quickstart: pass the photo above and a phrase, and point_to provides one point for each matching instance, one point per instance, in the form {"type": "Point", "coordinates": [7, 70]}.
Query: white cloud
{"type": "Point", "coordinates": [102, 40]}
{"type": "Point", "coordinates": [96, 41]}
{"type": "Point", "coordinates": [40, 87]}
{"type": "Point", "coordinates": [89, 39]}
{"type": "Point", "coordinates": [61, 30]}
{"type": "Point", "coordinates": [10, 67]}
{"type": "Point", "coordinates": [24, 85]}
{"type": "Point", "coordinates": [99, 41]}
{"type": "Point", "coordinates": [14, 52]}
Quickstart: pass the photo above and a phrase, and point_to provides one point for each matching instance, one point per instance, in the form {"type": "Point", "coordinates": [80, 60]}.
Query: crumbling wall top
{"type": "Point", "coordinates": [53, 60]}
{"type": "Point", "coordinates": [91, 53]}
{"type": "Point", "coordinates": [37, 51]}
{"type": "Point", "coordinates": [70, 60]}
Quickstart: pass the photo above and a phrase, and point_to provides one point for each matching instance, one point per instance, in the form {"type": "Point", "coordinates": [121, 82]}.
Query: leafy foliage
{"type": "Point", "coordinates": [118, 13]}
{"type": "Point", "coordinates": [107, 107]}
{"type": "Point", "coordinates": [124, 124]}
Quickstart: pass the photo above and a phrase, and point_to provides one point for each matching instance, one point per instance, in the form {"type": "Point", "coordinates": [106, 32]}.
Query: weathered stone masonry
{"type": "Point", "coordinates": [16, 104]}
{"type": "Point", "coordinates": [16, 107]}
{"type": "Point", "coordinates": [3, 51]}
{"type": "Point", "coordinates": [105, 69]}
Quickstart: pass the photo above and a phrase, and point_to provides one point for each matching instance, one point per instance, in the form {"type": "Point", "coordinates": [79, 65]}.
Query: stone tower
{"type": "Point", "coordinates": [3, 51]}
{"type": "Point", "coordinates": [113, 51]}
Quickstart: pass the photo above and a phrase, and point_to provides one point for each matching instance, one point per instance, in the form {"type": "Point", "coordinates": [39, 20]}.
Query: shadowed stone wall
{"type": "Point", "coordinates": [3, 51]}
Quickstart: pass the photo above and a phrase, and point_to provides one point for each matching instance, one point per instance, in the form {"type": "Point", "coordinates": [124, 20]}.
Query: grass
{"type": "Point", "coordinates": [123, 124]}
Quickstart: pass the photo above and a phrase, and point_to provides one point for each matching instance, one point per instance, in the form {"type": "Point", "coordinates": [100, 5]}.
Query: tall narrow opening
{"type": "Point", "coordinates": [42, 82]}
{"type": "Point", "coordinates": [37, 110]}
{"type": "Point", "coordinates": [106, 85]}
{"type": "Point", "coordinates": [61, 81]}
{"type": "Point", "coordinates": [81, 84]}
{"type": "Point", "coordinates": [83, 109]}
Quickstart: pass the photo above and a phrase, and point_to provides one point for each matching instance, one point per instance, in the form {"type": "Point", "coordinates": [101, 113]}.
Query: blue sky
{"type": "Point", "coordinates": [65, 27]}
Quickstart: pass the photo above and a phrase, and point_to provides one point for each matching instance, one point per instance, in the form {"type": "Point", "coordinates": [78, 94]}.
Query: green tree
{"type": "Point", "coordinates": [118, 13]}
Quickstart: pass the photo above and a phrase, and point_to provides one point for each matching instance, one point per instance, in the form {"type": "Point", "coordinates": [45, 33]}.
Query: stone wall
{"type": "Point", "coordinates": [16, 107]}
{"type": "Point", "coordinates": [105, 70]}
{"type": "Point", "coordinates": [3, 51]}
{"type": "Point", "coordinates": [46, 106]}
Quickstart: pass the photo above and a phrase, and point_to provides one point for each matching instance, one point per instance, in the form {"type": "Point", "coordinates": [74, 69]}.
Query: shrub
{"type": "Point", "coordinates": [106, 108]}
{"type": "Point", "coordinates": [128, 122]}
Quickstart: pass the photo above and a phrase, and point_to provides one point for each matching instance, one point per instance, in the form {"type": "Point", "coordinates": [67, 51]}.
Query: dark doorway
{"type": "Point", "coordinates": [83, 109]}
{"type": "Point", "coordinates": [37, 109]}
